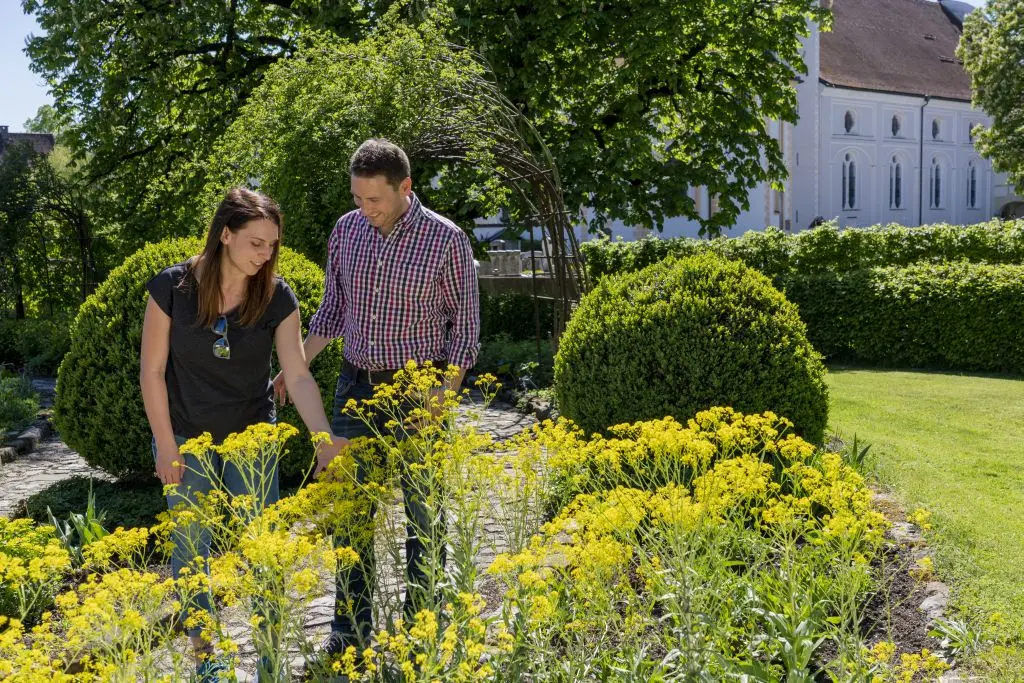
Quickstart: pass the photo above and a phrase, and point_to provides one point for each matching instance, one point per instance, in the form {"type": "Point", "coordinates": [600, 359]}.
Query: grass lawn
{"type": "Point", "coordinates": [953, 444]}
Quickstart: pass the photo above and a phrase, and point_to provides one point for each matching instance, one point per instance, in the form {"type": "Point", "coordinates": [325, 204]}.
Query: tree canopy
{"type": "Point", "coordinates": [638, 101]}
{"type": "Point", "coordinates": [993, 54]}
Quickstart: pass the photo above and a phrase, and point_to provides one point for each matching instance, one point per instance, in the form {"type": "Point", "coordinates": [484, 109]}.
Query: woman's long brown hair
{"type": "Point", "coordinates": [237, 208]}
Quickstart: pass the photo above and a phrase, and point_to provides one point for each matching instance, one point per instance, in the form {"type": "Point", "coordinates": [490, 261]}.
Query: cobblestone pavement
{"type": "Point", "coordinates": [53, 461]}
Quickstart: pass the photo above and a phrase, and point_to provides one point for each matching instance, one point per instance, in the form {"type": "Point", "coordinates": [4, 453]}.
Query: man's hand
{"type": "Point", "coordinates": [280, 392]}
{"type": "Point", "coordinates": [327, 451]}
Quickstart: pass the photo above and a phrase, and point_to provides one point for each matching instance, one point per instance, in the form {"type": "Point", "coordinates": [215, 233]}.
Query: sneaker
{"type": "Point", "coordinates": [216, 670]}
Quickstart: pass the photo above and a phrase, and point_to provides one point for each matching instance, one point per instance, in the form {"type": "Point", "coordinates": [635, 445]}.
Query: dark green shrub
{"type": "Point", "coordinates": [35, 344]}
{"type": "Point", "coordinates": [512, 314]}
{"type": "Point", "coordinates": [129, 503]}
{"type": "Point", "coordinates": [99, 410]}
{"type": "Point", "coordinates": [682, 336]}
{"type": "Point", "coordinates": [964, 316]}
{"type": "Point", "coordinates": [516, 363]}
{"type": "Point", "coordinates": [19, 404]}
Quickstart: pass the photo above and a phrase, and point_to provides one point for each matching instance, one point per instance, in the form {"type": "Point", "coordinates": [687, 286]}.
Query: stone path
{"type": "Point", "coordinates": [53, 461]}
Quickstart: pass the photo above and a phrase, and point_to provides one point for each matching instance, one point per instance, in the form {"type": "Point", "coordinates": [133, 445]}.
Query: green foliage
{"type": "Point", "coordinates": [36, 344]}
{"type": "Point", "coordinates": [993, 54]}
{"type": "Point", "coordinates": [515, 362]}
{"type": "Point", "coordinates": [632, 125]}
{"type": "Point", "coordinates": [681, 336]}
{"type": "Point", "coordinates": [823, 249]}
{"type": "Point", "coordinates": [151, 86]}
{"type": "Point", "coordinates": [18, 404]}
{"type": "Point", "coordinates": [130, 503]}
{"type": "Point", "coordinates": [80, 529]}
{"type": "Point", "coordinates": [311, 112]}
{"type": "Point", "coordinates": [48, 249]}
{"type": "Point", "coordinates": [99, 409]}
{"type": "Point", "coordinates": [512, 314]}
{"type": "Point", "coordinates": [957, 315]}
{"type": "Point", "coordinates": [889, 295]}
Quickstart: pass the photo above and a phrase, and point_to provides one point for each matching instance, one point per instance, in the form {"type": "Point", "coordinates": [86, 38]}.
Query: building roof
{"type": "Point", "coordinates": [42, 143]}
{"type": "Point", "coordinates": [896, 46]}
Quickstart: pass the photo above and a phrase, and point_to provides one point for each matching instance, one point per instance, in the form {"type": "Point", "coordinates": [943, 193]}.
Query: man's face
{"type": "Point", "coordinates": [380, 202]}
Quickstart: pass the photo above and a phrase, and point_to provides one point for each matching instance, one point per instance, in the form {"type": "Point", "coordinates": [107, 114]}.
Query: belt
{"type": "Point", "coordinates": [373, 377]}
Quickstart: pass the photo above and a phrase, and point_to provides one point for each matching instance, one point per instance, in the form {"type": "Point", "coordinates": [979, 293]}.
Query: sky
{"type": "Point", "coordinates": [23, 92]}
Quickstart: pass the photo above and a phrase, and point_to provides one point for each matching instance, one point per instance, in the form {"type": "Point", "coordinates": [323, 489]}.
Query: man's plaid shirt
{"type": "Point", "coordinates": [410, 296]}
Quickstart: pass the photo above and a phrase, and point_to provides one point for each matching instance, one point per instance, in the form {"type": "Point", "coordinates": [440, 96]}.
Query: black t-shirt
{"type": "Point", "coordinates": [207, 393]}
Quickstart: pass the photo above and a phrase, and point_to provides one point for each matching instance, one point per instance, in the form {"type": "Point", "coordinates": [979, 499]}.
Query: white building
{"type": "Point", "coordinates": [884, 134]}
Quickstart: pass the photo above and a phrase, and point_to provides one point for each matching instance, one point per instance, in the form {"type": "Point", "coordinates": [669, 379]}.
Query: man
{"type": "Point", "coordinates": [400, 285]}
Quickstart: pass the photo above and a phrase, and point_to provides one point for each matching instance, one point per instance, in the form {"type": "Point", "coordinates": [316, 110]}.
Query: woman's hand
{"type": "Point", "coordinates": [327, 451]}
{"type": "Point", "coordinates": [169, 465]}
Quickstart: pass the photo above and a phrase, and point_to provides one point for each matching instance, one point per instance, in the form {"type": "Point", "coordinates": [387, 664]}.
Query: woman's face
{"type": "Point", "coordinates": [252, 245]}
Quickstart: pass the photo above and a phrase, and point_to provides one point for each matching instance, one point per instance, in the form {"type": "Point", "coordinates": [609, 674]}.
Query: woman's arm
{"type": "Point", "coordinates": [156, 335]}
{"type": "Point", "coordinates": [303, 388]}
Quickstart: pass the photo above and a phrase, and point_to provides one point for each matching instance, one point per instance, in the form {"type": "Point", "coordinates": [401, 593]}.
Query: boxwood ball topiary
{"type": "Point", "coordinates": [98, 408]}
{"type": "Point", "coordinates": [682, 336]}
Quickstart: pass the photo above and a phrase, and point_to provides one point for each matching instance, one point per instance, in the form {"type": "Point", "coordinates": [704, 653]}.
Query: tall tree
{"type": "Point", "coordinates": [22, 260]}
{"type": "Point", "coordinates": [151, 84]}
{"type": "Point", "coordinates": [49, 120]}
{"type": "Point", "coordinates": [992, 49]}
{"type": "Point", "coordinates": [639, 100]}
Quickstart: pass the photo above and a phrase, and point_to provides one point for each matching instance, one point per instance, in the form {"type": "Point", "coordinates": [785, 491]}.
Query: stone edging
{"type": "Point", "coordinates": [28, 440]}
{"type": "Point", "coordinates": [936, 592]}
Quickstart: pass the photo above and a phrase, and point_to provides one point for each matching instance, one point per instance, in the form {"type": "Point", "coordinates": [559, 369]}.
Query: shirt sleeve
{"type": "Point", "coordinates": [462, 298]}
{"type": "Point", "coordinates": [283, 303]}
{"type": "Point", "coordinates": [161, 288]}
{"type": "Point", "coordinates": [329, 318]}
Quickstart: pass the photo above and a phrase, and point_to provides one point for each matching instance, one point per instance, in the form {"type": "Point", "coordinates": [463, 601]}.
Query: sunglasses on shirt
{"type": "Point", "coordinates": [221, 347]}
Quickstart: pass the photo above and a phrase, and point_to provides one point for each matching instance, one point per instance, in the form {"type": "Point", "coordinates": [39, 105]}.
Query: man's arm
{"type": "Point", "coordinates": [462, 298]}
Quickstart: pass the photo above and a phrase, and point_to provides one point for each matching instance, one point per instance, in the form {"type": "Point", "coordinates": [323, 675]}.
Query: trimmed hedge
{"type": "Point", "coordinates": [964, 316]}
{"type": "Point", "coordinates": [98, 408]}
{"type": "Point", "coordinates": [512, 314]}
{"type": "Point", "coordinates": [130, 503]}
{"type": "Point", "coordinates": [823, 249]}
{"type": "Point", "coordinates": [682, 336]}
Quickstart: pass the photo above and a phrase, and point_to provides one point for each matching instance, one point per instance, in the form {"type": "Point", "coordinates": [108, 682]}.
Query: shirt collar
{"type": "Point", "coordinates": [410, 215]}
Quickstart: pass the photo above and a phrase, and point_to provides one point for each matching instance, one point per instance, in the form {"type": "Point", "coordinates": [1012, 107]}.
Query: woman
{"type": "Point", "coordinates": [211, 323]}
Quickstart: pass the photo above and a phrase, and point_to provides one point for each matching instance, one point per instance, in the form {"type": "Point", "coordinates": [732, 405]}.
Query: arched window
{"type": "Point", "coordinates": [895, 184]}
{"type": "Point", "coordinates": [936, 129]}
{"type": "Point", "coordinates": [935, 185]}
{"type": "Point", "coordinates": [848, 122]}
{"type": "Point", "coordinates": [970, 131]}
{"type": "Point", "coordinates": [896, 125]}
{"type": "Point", "coordinates": [972, 185]}
{"type": "Point", "coordinates": [849, 183]}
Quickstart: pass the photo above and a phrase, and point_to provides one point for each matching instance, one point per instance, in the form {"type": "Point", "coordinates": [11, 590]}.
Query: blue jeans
{"type": "Point", "coordinates": [353, 624]}
{"type": "Point", "coordinates": [194, 539]}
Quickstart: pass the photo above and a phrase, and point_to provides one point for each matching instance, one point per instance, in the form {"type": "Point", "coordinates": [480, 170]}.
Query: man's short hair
{"type": "Point", "coordinates": [378, 156]}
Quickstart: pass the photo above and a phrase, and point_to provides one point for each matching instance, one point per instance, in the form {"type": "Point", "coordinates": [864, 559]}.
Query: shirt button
{"type": "Point", "coordinates": [380, 264]}
{"type": "Point", "coordinates": [373, 317]}
{"type": "Point", "coordinates": [376, 290]}
{"type": "Point", "coordinates": [371, 343]}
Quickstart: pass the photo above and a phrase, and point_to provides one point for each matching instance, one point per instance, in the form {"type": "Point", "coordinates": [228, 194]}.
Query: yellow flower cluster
{"type": "Point", "coordinates": [924, 666]}
{"type": "Point", "coordinates": [32, 563]}
{"type": "Point", "coordinates": [126, 546]}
